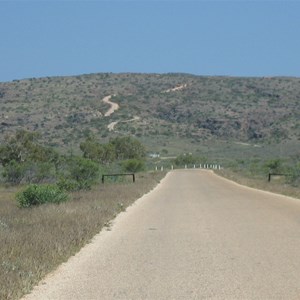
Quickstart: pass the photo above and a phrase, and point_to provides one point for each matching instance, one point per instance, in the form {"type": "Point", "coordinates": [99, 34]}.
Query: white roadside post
{"type": "Point", "coordinates": [162, 168]}
{"type": "Point", "coordinates": [155, 168]}
{"type": "Point", "coordinates": [185, 166]}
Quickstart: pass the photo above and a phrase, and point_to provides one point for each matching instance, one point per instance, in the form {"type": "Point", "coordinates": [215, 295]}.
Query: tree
{"type": "Point", "coordinates": [102, 153]}
{"type": "Point", "coordinates": [78, 173]}
{"type": "Point", "coordinates": [24, 147]}
{"type": "Point", "coordinates": [133, 165]}
{"type": "Point", "coordinates": [185, 159]}
{"type": "Point", "coordinates": [128, 148]}
{"type": "Point", "coordinates": [25, 160]}
{"type": "Point", "coordinates": [119, 148]}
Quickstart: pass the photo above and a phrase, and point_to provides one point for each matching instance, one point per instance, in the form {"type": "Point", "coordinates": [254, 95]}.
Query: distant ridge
{"type": "Point", "coordinates": [264, 110]}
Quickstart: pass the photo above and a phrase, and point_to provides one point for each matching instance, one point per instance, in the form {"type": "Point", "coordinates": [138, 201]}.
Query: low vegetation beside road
{"type": "Point", "coordinates": [53, 203]}
{"type": "Point", "coordinates": [279, 185]}
{"type": "Point", "coordinates": [36, 240]}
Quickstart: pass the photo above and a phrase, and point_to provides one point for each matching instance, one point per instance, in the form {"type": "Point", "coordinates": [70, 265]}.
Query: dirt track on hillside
{"type": "Point", "coordinates": [113, 106]}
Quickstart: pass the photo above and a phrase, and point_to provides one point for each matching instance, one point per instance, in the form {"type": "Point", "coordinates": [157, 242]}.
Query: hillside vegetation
{"type": "Point", "coordinates": [218, 116]}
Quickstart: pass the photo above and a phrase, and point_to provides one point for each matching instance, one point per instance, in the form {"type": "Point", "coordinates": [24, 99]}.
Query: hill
{"type": "Point", "coordinates": [170, 113]}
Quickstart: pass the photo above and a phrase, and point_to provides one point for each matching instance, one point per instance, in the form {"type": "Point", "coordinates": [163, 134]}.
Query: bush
{"type": "Point", "coordinates": [83, 170]}
{"type": "Point", "coordinates": [14, 172]}
{"type": "Point", "coordinates": [186, 159]}
{"type": "Point", "coordinates": [273, 166]}
{"type": "Point", "coordinates": [133, 165]}
{"type": "Point", "coordinates": [294, 178]}
{"type": "Point", "coordinates": [29, 172]}
{"type": "Point", "coordinates": [78, 173]}
{"type": "Point", "coordinates": [128, 147]}
{"type": "Point", "coordinates": [71, 185]}
{"type": "Point", "coordinates": [39, 194]}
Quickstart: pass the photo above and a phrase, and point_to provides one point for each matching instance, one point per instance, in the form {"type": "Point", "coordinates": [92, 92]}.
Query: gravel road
{"type": "Point", "coordinates": [196, 236]}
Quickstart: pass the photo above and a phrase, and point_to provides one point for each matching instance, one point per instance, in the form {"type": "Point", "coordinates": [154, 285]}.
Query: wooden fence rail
{"type": "Point", "coordinates": [276, 174]}
{"type": "Point", "coordinates": [115, 175]}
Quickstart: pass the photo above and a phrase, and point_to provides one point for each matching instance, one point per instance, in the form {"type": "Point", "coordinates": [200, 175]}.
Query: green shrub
{"type": "Point", "coordinates": [83, 170]}
{"type": "Point", "coordinates": [78, 173]}
{"type": "Point", "coordinates": [39, 194]}
{"type": "Point", "coordinates": [67, 184]}
{"type": "Point", "coordinates": [294, 175]}
{"type": "Point", "coordinates": [273, 166]}
{"type": "Point", "coordinates": [29, 172]}
{"type": "Point", "coordinates": [133, 165]}
{"type": "Point", "coordinates": [71, 185]}
{"type": "Point", "coordinates": [127, 147]}
{"type": "Point", "coordinates": [186, 159]}
{"type": "Point", "coordinates": [14, 172]}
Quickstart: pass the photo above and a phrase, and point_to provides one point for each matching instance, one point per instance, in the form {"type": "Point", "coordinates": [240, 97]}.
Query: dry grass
{"type": "Point", "coordinates": [35, 241]}
{"type": "Point", "coordinates": [277, 186]}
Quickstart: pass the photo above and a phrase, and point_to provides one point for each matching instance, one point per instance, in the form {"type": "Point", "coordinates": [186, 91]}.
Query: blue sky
{"type": "Point", "coordinates": [235, 38]}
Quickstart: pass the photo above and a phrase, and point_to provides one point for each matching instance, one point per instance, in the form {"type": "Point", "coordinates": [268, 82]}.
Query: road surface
{"type": "Point", "coordinates": [196, 236]}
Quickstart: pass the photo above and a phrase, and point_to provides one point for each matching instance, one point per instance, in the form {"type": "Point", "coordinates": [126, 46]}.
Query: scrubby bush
{"type": "Point", "coordinates": [133, 165]}
{"type": "Point", "coordinates": [39, 194]}
{"type": "Point", "coordinates": [102, 153]}
{"type": "Point", "coordinates": [186, 159]}
{"type": "Point", "coordinates": [119, 148]}
{"type": "Point", "coordinates": [42, 172]}
{"type": "Point", "coordinates": [273, 166]}
{"type": "Point", "coordinates": [14, 172]}
{"type": "Point", "coordinates": [24, 147]}
{"type": "Point", "coordinates": [24, 160]}
{"type": "Point", "coordinates": [69, 185]}
{"type": "Point", "coordinates": [294, 175]}
{"type": "Point", "coordinates": [29, 172]}
{"type": "Point", "coordinates": [128, 147]}
{"type": "Point", "coordinates": [82, 169]}
{"type": "Point", "coordinates": [78, 173]}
